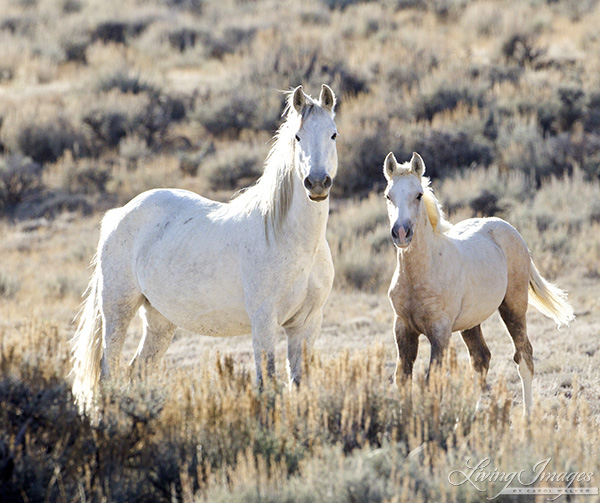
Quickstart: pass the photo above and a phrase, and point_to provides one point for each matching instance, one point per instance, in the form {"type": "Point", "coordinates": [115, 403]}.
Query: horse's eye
{"type": "Point", "coordinates": [387, 196]}
{"type": "Point", "coordinates": [334, 136]}
{"type": "Point", "coordinates": [419, 196]}
{"type": "Point", "coordinates": [297, 138]}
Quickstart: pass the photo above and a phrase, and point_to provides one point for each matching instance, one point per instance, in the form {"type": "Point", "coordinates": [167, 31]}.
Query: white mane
{"type": "Point", "coordinates": [272, 192]}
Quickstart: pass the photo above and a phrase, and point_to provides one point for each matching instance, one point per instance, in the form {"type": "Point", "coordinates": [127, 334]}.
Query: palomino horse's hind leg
{"type": "Point", "coordinates": [156, 338]}
{"type": "Point", "coordinates": [516, 325]}
{"type": "Point", "coordinates": [479, 353]}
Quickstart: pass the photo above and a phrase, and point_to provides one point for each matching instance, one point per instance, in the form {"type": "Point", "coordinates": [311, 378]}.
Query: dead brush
{"type": "Point", "coordinates": [212, 435]}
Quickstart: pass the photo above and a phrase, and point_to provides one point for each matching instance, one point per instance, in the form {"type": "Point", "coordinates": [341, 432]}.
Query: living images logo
{"type": "Point", "coordinates": [540, 479]}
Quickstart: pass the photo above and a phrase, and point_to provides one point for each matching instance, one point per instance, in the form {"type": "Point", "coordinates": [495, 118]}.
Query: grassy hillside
{"type": "Point", "coordinates": [102, 100]}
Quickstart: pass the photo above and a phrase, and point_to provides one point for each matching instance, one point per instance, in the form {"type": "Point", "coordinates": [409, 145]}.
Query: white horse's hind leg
{"type": "Point", "coordinates": [119, 300]}
{"type": "Point", "coordinates": [116, 316]}
{"type": "Point", "coordinates": [156, 338]}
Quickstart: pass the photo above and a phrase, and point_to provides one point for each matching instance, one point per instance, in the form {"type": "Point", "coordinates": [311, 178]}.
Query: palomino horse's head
{"type": "Point", "coordinates": [315, 149]}
{"type": "Point", "coordinates": [404, 194]}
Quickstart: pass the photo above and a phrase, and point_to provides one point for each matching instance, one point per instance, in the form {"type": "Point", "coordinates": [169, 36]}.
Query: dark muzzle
{"type": "Point", "coordinates": [318, 187]}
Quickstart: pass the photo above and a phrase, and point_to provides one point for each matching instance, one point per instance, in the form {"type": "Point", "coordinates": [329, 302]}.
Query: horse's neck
{"type": "Point", "coordinates": [418, 259]}
{"type": "Point", "coordinates": [306, 222]}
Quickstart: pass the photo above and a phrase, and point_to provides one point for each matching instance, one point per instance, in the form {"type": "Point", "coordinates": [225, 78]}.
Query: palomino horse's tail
{"type": "Point", "coordinates": [548, 299]}
{"type": "Point", "coordinates": [87, 347]}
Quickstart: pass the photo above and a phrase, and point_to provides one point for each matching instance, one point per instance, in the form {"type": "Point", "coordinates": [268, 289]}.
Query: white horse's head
{"type": "Point", "coordinates": [315, 148]}
{"type": "Point", "coordinates": [404, 194]}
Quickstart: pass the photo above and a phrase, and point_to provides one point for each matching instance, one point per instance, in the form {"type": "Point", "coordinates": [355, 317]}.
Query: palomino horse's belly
{"type": "Point", "coordinates": [472, 318]}
{"type": "Point", "coordinates": [484, 292]}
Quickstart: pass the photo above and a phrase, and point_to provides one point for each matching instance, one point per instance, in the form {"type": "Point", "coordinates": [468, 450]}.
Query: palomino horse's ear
{"type": "Point", "coordinates": [417, 165]}
{"type": "Point", "coordinates": [327, 98]}
{"type": "Point", "coordinates": [389, 166]}
{"type": "Point", "coordinates": [298, 99]}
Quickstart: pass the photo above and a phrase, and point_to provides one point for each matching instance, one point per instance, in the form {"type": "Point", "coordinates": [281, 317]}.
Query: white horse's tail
{"type": "Point", "coordinates": [86, 352]}
{"type": "Point", "coordinates": [548, 299]}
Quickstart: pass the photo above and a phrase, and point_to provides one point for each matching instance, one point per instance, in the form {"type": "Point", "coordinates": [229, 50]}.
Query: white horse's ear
{"type": "Point", "coordinates": [417, 165]}
{"type": "Point", "coordinates": [327, 98]}
{"type": "Point", "coordinates": [298, 99]}
{"type": "Point", "coordinates": [389, 166]}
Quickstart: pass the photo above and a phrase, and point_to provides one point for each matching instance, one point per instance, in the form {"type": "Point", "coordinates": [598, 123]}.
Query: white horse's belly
{"type": "Point", "coordinates": [201, 304]}
{"type": "Point", "coordinates": [220, 323]}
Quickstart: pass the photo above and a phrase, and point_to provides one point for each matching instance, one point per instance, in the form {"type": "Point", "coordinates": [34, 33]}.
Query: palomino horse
{"type": "Point", "coordinates": [452, 277]}
{"type": "Point", "coordinates": [252, 265]}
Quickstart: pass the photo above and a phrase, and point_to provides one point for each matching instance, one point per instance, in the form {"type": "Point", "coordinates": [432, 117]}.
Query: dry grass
{"type": "Point", "coordinates": [99, 102]}
{"type": "Point", "coordinates": [216, 438]}
{"type": "Point", "coordinates": [165, 437]}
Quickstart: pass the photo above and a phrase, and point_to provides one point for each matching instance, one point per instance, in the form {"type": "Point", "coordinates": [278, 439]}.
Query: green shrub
{"type": "Point", "coordinates": [448, 150]}
{"type": "Point", "coordinates": [227, 114]}
{"type": "Point", "coordinates": [591, 121]}
{"type": "Point", "coordinates": [118, 31]}
{"type": "Point", "coordinates": [20, 179]}
{"type": "Point", "coordinates": [234, 167]}
{"type": "Point", "coordinates": [184, 38]}
{"type": "Point", "coordinates": [126, 81]}
{"type": "Point", "coordinates": [193, 6]}
{"type": "Point", "coordinates": [87, 177]}
{"type": "Point", "coordinates": [342, 4]}
{"type": "Point", "coordinates": [9, 287]}
{"type": "Point", "coordinates": [190, 162]}
{"type": "Point", "coordinates": [445, 98]}
{"type": "Point", "coordinates": [521, 48]}
{"type": "Point", "coordinates": [118, 115]}
{"type": "Point", "coordinates": [44, 139]}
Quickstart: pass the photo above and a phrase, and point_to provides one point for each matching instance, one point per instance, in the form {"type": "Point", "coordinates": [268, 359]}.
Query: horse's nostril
{"type": "Point", "coordinates": [394, 233]}
{"type": "Point", "coordinates": [327, 182]}
{"type": "Point", "coordinates": [308, 184]}
{"type": "Point", "coordinates": [408, 233]}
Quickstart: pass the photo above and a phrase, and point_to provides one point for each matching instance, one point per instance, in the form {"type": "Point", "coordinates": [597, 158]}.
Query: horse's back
{"type": "Point", "coordinates": [149, 215]}
{"type": "Point", "coordinates": [475, 232]}
{"type": "Point", "coordinates": [154, 204]}
{"type": "Point", "coordinates": [167, 246]}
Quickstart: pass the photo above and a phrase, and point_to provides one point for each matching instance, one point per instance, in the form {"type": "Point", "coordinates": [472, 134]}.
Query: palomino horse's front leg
{"type": "Point", "coordinates": [439, 336]}
{"type": "Point", "coordinates": [407, 344]}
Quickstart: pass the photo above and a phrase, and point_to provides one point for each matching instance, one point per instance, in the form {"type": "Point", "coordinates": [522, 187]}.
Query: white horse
{"type": "Point", "coordinates": [254, 264]}
{"type": "Point", "coordinates": [452, 277]}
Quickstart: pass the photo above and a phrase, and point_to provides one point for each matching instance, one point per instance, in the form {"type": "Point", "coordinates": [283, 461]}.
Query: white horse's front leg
{"type": "Point", "coordinates": [299, 337]}
{"type": "Point", "coordinates": [264, 327]}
